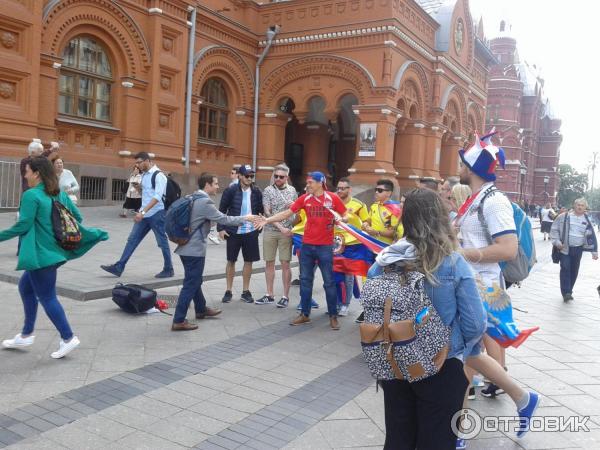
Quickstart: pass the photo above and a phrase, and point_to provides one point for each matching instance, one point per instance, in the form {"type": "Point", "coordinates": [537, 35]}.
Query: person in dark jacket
{"type": "Point", "coordinates": [241, 199]}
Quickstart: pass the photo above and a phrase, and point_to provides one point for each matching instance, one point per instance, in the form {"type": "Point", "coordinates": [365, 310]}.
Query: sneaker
{"type": "Point", "coordinates": [526, 414]}
{"type": "Point", "coordinates": [18, 341]}
{"type": "Point", "coordinates": [478, 381]}
{"type": "Point", "coordinates": [264, 300]}
{"type": "Point", "coordinates": [343, 311]}
{"type": "Point", "coordinates": [64, 348]}
{"type": "Point", "coordinates": [471, 394]}
{"type": "Point", "coordinates": [567, 297]}
{"type": "Point", "coordinates": [283, 302]}
{"type": "Point", "coordinates": [296, 282]}
{"type": "Point", "coordinates": [299, 307]}
{"type": "Point", "coordinates": [360, 318]}
{"type": "Point", "coordinates": [112, 269]}
{"type": "Point", "coordinates": [165, 273]}
{"type": "Point", "coordinates": [461, 444]}
{"type": "Point", "coordinates": [246, 297]}
{"type": "Point", "coordinates": [300, 320]}
{"type": "Point", "coordinates": [227, 297]}
{"type": "Point", "coordinates": [214, 238]}
{"type": "Point", "coordinates": [314, 304]}
{"type": "Point", "coordinates": [492, 391]}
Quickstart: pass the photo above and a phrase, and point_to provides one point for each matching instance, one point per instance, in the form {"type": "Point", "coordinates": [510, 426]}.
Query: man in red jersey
{"type": "Point", "coordinates": [322, 209]}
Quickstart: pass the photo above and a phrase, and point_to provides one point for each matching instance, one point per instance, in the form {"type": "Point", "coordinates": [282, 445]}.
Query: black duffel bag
{"type": "Point", "coordinates": [133, 298]}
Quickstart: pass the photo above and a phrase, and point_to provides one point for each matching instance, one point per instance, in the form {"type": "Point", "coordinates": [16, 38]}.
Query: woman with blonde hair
{"type": "Point", "coordinates": [458, 195]}
{"type": "Point", "coordinates": [419, 414]}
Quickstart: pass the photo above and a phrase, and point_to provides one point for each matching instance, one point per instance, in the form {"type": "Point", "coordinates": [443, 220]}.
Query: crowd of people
{"type": "Point", "coordinates": [454, 234]}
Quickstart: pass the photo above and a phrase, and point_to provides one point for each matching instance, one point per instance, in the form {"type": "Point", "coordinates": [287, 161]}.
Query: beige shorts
{"type": "Point", "coordinates": [273, 241]}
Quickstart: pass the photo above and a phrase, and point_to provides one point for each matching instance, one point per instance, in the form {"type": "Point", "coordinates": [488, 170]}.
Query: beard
{"type": "Point", "coordinates": [465, 178]}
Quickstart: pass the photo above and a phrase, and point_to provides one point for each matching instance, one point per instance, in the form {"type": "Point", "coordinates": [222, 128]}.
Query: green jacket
{"type": "Point", "coordinates": [39, 247]}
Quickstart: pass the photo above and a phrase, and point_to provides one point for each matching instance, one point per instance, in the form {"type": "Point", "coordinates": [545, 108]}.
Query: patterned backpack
{"type": "Point", "coordinates": [403, 336]}
{"type": "Point", "coordinates": [65, 227]}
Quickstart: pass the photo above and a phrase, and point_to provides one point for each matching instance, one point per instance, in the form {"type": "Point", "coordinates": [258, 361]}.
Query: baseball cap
{"type": "Point", "coordinates": [246, 169]}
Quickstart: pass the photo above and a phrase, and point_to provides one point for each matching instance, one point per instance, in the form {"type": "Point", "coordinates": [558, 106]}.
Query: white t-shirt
{"type": "Point", "coordinates": [546, 214]}
{"type": "Point", "coordinates": [577, 227]}
{"type": "Point", "coordinates": [498, 215]}
{"type": "Point", "coordinates": [246, 209]}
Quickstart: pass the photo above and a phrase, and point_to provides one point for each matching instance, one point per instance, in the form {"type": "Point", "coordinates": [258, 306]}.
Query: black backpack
{"type": "Point", "coordinates": [133, 298]}
{"type": "Point", "coordinates": [172, 193]}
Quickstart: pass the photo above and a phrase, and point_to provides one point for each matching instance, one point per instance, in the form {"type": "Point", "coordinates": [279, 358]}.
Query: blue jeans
{"type": "Point", "coordinates": [156, 223]}
{"type": "Point", "coordinates": [321, 255]}
{"type": "Point", "coordinates": [344, 284]}
{"type": "Point", "coordinates": [193, 268]}
{"type": "Point", "coordinates": [40, 286]}
{"type": "Point", "coordinates": [569, 269]}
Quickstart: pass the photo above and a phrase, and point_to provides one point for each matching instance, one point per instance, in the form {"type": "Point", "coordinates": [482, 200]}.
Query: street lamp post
{"type": "Point", "coordinates": [546, 194]}
{"type": "Point", "coordinates": [523, 172]}
{"type": "Point", "coordinates": [595, 155]}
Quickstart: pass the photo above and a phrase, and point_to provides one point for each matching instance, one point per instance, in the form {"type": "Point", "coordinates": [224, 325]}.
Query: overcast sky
{"type": "Point", "coordinates": [563, 39]}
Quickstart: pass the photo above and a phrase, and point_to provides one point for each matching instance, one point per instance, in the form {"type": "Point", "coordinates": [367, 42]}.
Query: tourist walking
{"type": "Point", "coordinates": [193, 252]}
{"type": "Point", "coordinates": [419, 414]}
{"type": "Point", "coordinates": [150, 217]}
{"type": "Point", "coordinates": [133, 196]}
{"type": "Point", "coordinates": [277, 237]}
{"type": "Point", "coordinates": [241, 199]}
{"type": "Point", "coordinates": [41, 255]}
{"type": "Point", "coordinates": [66, 180]}
{"type": "Point", "coordinates": [547, 215]}
{"type": "Point", "coordinates": [572, 233]}
{"type": "Point", "coordinates": [478, 223]}
{"type": "Point", "coordinates": [322, 209]}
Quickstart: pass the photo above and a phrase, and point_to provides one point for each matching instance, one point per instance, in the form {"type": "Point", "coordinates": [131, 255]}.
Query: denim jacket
{"type": "Point", "coordinates": [457, 301]}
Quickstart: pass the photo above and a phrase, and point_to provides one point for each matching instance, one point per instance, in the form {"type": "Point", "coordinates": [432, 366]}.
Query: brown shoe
{"type": "Point", "coordinates": [300, 320]}
{"type": "Point", "coordinates": [333, 322]}
{"type": "Point", "coordinates": [209, 312]}
{"type": "Point", "coordinates": [184, 326]}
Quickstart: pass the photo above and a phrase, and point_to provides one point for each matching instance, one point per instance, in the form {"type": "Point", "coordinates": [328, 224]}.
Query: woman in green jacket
{"type": "Point", "coordinates": [40, 254]}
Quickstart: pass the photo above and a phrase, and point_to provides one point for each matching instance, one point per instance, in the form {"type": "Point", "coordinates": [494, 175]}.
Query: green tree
{"type": "Point", "coordinates": [572, 184]}
{"type": "Point", "coordinates": [593, 198]}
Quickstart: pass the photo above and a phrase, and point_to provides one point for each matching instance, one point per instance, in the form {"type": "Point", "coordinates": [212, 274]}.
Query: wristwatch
{"type": "Point", "coordinates": [142, 212]}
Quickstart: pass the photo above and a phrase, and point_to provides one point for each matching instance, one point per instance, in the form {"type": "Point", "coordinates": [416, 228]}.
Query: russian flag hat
{"type": "Point", "coordinates": [483, 157]}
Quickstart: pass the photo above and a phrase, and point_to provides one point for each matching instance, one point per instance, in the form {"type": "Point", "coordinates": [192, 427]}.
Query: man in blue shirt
{"type": "Point", "coordinates": [151, 216]}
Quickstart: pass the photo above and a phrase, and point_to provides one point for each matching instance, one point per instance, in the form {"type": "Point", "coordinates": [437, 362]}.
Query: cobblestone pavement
{"type": "Point", "coordinates": [248, 380]}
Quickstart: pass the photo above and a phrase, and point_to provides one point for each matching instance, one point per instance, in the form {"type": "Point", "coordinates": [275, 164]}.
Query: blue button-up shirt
{"type": "Point", "coordinates": [148, 193]}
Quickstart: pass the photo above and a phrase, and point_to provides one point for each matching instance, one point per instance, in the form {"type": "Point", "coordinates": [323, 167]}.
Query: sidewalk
{"type": "Point", "coordinates": [248, 380]}
{"type": "Point", "coordinates": [84, 280]}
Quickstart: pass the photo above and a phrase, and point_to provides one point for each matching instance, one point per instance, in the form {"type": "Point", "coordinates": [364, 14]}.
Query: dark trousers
{"type": "Point", "coordinates": [419, 415]}
{"type": "Point", "coordinates": [193, 268]}
{"type": "Point", "coordinates": [569, 269]}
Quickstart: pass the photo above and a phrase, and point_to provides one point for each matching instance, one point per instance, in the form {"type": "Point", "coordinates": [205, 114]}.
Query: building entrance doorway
{"type": "Point", "coordinates": [320, 140]}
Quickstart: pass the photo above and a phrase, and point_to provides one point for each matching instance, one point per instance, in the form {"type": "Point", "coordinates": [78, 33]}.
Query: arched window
{"type": "Point", "coordinates": [85, 80]}
{"type": "Point", "coordinates": [213, 111]}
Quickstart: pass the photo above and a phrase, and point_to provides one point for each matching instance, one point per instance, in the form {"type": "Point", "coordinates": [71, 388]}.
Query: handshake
{"type": "Point", "coordinates": [258, 221]}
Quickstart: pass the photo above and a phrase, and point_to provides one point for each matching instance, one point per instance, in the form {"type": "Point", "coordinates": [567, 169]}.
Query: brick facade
{"type": "Point", "coordinates": [529, 130]}
{"type": "Point", "coordinates": [414, 71]}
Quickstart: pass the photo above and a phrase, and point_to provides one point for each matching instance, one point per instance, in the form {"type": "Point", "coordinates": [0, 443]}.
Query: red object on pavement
{"type": "Point", "coordinates": [161, 305]}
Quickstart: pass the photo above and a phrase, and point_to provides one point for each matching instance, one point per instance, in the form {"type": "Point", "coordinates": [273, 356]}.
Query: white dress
{"type": "Point", "coordinates": [67, 182]}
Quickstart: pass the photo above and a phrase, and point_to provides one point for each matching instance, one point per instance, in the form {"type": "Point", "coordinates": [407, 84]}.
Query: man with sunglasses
{"type": "Point", "coordinates": [384, 214]}
{"type": "Point", "coordinates": [241, 199]}
{"type": "Point", "coordinates": [278, 236]}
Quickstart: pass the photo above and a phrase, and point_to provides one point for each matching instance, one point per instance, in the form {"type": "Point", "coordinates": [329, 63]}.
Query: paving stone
{"type": "Point", "coordinates": [223, 442]}
{"type": "Point", "coordinates": [234, 436]}
{"type": "Point", "coordinates": [55, 419]}
{"type": "Point", "coordinates": [142, 440]}
{"type": "Point", "coordinates": [9, 437]}
{"type": "Point", "coordinates": [24, 430]}
{"type": "Point", "coordinates": [102, 426]}
{"type": "Point", "coordinates": [40, 424]}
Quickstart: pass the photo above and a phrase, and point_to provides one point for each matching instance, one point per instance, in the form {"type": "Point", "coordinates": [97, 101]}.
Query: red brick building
{"type": "Point", "coordinates": [107, 78]}
{"type": "Point", "coordinates": [529, 130]}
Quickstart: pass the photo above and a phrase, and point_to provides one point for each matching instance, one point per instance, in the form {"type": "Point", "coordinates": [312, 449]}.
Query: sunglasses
{"type": "Point", "coordinates": [279, 177]}
{"type": "Point", "coordinates": [250, 176]}
{"type": "Point", "coordinates": [380, 190]}
{"type": "Point", "coordinates": [342, 188]}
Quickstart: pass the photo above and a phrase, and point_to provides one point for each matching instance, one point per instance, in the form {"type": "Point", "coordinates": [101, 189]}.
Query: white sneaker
{"type": "Point", "coordinates": [64, 348]}
{"type": "Point", "coordinates": [18, 341]}
{"type": "Point", "coordinates": [343, 311]}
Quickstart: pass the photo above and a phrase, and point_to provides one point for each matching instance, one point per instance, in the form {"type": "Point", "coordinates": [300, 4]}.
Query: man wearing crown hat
{"type": "Point", "coordinates": [478, 170]}
{"type": "Point", "coordinates": [322, 210]}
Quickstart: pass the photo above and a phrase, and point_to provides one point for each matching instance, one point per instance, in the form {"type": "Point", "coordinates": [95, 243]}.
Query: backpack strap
{"type": "Point", "coordinates": [153, 179]}
{"type": "Point", "coordinates": [389, 354]}
{"type": "Point", "coordinates": [480, 215]}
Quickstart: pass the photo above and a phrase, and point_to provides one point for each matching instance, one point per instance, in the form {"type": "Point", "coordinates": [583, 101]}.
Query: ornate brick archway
{"type": "Point", "coordinates": [331, 76]}
{"type": "Point", "coordinates": [62, 17]}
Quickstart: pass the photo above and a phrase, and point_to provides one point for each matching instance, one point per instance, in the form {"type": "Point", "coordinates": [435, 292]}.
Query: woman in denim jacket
{"type": "Point", "coordinates": [419, 414]}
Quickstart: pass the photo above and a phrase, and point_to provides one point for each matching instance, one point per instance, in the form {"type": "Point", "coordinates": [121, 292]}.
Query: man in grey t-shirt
{"type": "Point", "coordinates": [193, 253]}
